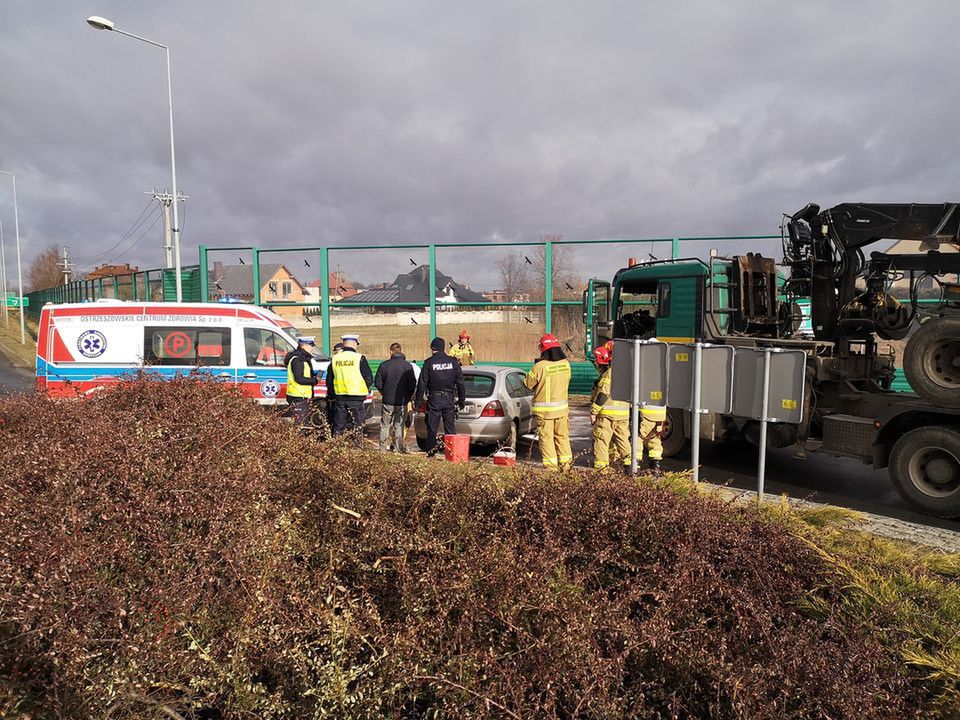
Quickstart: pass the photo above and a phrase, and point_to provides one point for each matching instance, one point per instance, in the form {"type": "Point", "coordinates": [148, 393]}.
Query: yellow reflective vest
{"type": "Point", "coordinates": [550, 382]}
{"type": "Point", "coordinates": [295, 389]}
{"type": "Point", "coordinates": [611, 408]}
{"type": "Point", "coordinates": [347, 379]}
{"type": "Point", "coordinates": [464, 354]}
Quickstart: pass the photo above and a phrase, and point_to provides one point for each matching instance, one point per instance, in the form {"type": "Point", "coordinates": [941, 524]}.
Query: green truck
{"type": "Point", "coordinates": [849, 408]}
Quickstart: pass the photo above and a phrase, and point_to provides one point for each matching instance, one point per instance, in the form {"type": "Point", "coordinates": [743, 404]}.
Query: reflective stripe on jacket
{"type": "Point", "coordinates": [654, 413]}
{"type": "Point", "coordinates": [295, 389]}
{"type": "Point", "coordinates": [611, 408]}
{"type": "Point", "coordinates": [550, 382]}
{"type": "Point", "coordinates": [347, 378]}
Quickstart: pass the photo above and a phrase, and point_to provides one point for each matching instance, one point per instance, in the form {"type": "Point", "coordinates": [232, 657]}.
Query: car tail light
{"type": "Point", "coordinates": [493, 409]}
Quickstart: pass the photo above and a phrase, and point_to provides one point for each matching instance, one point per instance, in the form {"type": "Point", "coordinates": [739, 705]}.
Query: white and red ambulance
{"type": "Point", "coordinates": [85, 347]}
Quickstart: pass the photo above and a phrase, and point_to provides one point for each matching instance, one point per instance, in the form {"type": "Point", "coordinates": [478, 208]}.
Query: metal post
{"type": "Point", "coordinates": [325, 299]}
{"type": "Point", "coordinates": [204, 276]}
{"type": "Point", "coordinates": [695, 412]}
{"type": "Point", "coordinates": [548, 286]}
{"type": "Point", "coordinates": [116, 287]}
{"type": "Point", "coordinates": [675, 248]}
{"type": "Point", "coordinates": [635, 408]}
{"type": "Point", "coordinates": [255, 252]}
{"type": "Point", "coordinates": [100, 285]}
{"type": "Point", "coordinates": [3, 272]}
{"type": "Point", "coordinates": [761, 468]}
{"type": "Point", "coordinates": [16, 230]}
{"type": "Point", "coordinates": [146, 286]}
{"type": "Point", "coordinates": [433, 290]}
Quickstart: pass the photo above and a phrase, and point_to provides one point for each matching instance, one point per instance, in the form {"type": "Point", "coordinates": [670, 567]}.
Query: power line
{"type": "Point", "coordinates": [143, 234]}
{"type": "Point", "coordinates": [143, 217]}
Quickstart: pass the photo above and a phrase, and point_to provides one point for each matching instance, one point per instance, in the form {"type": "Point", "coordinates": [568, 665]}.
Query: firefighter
{"type": "Point", "coordinates": [440, 378]}
{"type": "Point", "coordinates": [351, 381]}
{"type": "Point", "coordinates": [463, 350]}
{"type": "Point", "coordinates": [652, 418]}
{"type": "Point", "coordinates": [300, 380]}
{"type": "Point", "coordinates": [610, 418]}
{"type": "Point", "coordinates": [550, 381]}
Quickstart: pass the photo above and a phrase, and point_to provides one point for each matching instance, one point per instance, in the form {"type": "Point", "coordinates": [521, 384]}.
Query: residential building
{"type": "Point", "coordinates": [277, 283]}
{"type": "Point", "coordinates": [413, 289]}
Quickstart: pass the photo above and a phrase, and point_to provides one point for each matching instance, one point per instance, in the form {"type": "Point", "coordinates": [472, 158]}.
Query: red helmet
{"type": "Point", "coordinates": [602, 355]}
{"type": "Point", "coordinates": [464, 335]}
{"type": "Point", "coordinates": [609, 346]}
{"type": "Point", "coordinates": [548, 341]}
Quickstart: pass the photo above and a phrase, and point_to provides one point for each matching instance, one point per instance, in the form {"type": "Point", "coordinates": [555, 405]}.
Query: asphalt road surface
{"type": "Point", "coordinates": [14, 379]}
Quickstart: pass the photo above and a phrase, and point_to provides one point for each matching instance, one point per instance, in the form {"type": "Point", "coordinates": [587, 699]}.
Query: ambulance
{"type": "Point", "coordinates": [85, 347]}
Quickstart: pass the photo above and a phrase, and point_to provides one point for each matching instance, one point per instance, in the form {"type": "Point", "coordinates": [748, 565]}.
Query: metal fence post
{"type": "Point", "coordinates": [325, 298]}
{"type": "Point", "coordinates": [762, 464]}
{"type": "Point", "coordinates": [116, 287]}
{"type": "Point", "coordinates": [255, 252]}
{"type": "Point", "coordinates": [133, 282]}
{"type": "Point", "coordinates": [548, 286]}
{"type": "Point", "coordinates": [100, 286]}
{"type": "Point", "coordinates": [635, 408]}
{"type": "Point", "coordinates": [204, 276]}
{"type": "Point", "coordinates": [433, 291]}
{"type": "Point", "coordinates": [675, 248]}
{"type": "Point", "coordinates": [695, 417]}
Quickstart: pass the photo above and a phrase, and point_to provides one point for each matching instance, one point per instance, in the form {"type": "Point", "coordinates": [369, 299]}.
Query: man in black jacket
{"type": "Point", "coordinates": [300, 380]}
{"type": "Point", "coordinates": [397, 383]}
{"type": "Point", "coordinates": [440, 378]}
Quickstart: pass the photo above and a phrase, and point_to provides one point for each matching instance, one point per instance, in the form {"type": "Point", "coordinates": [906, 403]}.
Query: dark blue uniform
{"type": "Point", "coordinates": [440, 379]}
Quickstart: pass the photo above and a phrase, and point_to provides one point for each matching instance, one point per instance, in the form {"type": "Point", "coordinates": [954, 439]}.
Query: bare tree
{"type": "Point", "coordinates": [565, 280]}
{"type": "Point", "coordinates": [45, 271]}
{"type": "Point", "coordinates": [513, 275]}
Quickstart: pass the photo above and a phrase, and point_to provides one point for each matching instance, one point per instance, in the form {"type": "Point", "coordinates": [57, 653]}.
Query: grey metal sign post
{"type": "Point", "coordinates": [782, 373]}
{"type": "Point", "coordinates": [640, 381]}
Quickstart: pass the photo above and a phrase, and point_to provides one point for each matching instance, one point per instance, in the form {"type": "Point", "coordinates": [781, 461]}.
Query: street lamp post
{"type": "Point", "coordinates": [16, 230]}
{"type": "Point", "coordinates": [100, 23]}
{"type": "Point", "coordinates": [3, 273]}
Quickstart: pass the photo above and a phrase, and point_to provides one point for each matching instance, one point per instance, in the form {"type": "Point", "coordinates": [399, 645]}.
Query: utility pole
{"type": "Point", "coordinates": [166, 199]}
{"type": "Point", "coordinates": [66, 267]}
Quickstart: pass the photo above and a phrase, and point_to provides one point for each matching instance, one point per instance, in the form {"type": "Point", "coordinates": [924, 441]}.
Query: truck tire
{"type": "Point", "coordinates": [925, 469]}
{"type": "Point", "coordinates": [674, 438]}
{"type": "Point", "coordinates": [931, 362]}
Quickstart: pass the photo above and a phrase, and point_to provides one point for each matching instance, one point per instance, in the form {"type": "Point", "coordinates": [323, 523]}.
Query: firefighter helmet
{"type": "Point", "coordinates": [464, 335]}
{"type": "Point", "coordinates": [548, 341]}
{"type": "Point", "coordinates": [602, 355]}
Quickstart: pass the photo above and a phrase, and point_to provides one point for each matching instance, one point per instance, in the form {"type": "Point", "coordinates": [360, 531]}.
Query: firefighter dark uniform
{"type": "Point", "coordinates": [610, 418]}
{"type": "Point", "coordinates": [351, 381]}
{"type": "Point", "coordinates": [550, 381]}
{"type": "Point", "coordinates": [300, 380]}
{"type": "Point", "coordinates": [440, 378]}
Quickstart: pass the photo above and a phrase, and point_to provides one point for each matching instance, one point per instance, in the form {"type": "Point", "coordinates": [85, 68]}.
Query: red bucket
{"type": "Point", "coordinates": [506, 458]}
{"type": "Point", "coordinates": [457, 448]}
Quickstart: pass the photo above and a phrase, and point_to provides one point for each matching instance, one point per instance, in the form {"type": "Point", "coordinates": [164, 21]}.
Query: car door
{"type": "Point", "coordinates": [521, 404]}
{"type": "Point", "coordinates": [261, 373]}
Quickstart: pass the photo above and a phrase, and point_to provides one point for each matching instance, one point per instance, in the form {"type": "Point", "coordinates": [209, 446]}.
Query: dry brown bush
{"type": "Point", "coordinates": [167, 548]}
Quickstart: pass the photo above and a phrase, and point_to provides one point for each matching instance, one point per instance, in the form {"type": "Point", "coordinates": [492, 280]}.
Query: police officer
{"type": "Point", "coordinates": [610, 418]}
{"type": "Point", "coordinates": [300, 379]}
{"type": "Point", "coordinates": [550, 381]}
{"type": "Point", "coordinates": [463, 350]}
{"type": "Point", "coordinates": [440, 378]}
{"type": "Point", "coordinates": [351, 380]}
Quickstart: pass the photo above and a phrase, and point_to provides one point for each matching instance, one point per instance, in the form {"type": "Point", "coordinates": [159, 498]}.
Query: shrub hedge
{"type": "Point", "coordinates": [167, 549]}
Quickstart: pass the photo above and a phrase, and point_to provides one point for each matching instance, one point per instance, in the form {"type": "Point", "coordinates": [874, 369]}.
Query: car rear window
{"type": "Point", "coordinates": [477, 385]}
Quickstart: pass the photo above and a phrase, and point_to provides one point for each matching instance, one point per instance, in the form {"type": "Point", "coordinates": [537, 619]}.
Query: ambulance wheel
{"type": "Point", "coordinates": [925, 469]}
{"type": "Point", "coordinates": [674, 439]}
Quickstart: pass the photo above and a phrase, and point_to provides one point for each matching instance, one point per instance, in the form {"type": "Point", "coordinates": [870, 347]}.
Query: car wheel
{"type": "Point", "coordinates": [931, 361]}
{"type": "Point", "coordinates": [925, 469]}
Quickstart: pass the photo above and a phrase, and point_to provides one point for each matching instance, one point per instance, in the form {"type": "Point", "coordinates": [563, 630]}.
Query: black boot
{"type": "Point", "coordinates": [655, 468]}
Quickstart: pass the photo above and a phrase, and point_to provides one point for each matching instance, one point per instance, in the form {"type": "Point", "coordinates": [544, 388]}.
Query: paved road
{"type": "Point", "coordinates": [13, 379]}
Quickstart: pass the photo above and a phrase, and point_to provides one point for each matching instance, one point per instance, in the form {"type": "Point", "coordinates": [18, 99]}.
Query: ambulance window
{"type": "Point", "coordinates": [186, 346]}
{"type": "Point", "coordinates": [265, 347]}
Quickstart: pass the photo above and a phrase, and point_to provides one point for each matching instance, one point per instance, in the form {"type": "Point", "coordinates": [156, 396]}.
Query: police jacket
{"type": "Point", "coordinates": [294, 360]}
{"type": "Point", "coordinates": [349, 376]}
{"type": "Point", "coordinates": [441, 375]}
{"type": "Point", "coordinates": [395, 380]}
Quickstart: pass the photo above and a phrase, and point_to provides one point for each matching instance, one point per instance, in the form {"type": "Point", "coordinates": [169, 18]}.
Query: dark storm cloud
{"type": "Point", "coordinates": [305, 123]}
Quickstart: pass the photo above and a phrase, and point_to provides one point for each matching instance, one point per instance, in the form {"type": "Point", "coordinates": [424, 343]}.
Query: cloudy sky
{"type": "Point", "coordinates": [319, 123]}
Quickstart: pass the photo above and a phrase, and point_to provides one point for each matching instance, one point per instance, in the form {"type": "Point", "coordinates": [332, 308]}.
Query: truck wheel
{"type": "Point", "coordinates": [674, 439]}
{"type": "Point", "coordinates": [931, 362]}
{"type": "Point", "coordinates": [925, 469]}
